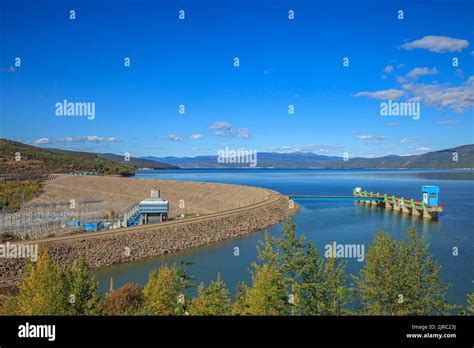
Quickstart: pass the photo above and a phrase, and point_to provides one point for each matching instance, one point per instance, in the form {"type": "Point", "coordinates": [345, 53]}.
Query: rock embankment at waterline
{"type": "Point", "coordinates": [131, 244]}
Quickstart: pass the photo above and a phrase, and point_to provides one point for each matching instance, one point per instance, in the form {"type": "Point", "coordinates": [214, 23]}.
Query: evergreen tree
{"type": "Point", "coordinates": [293, 262]}
{"type": "Point", "coordinates": [322, 289]}
{"type": "Point", "coordinates": [314, 286]}
{"type": "Point", "coordinates": [400, 278]}
{"type": "Point", "coordinates": [470, 303]}
{"type": "Point", "coordinates": [267, 250]}
{"type": "Point", "coordinates": [268, 294]}
{"type": "Point", "coordinates": [93, 306]}
{"type": "Point", "coordinates": [81, 289]}
{"type": "Point", "coordinates": [213, 300]}
{"type": "Point", "coordinates": [375, 287]}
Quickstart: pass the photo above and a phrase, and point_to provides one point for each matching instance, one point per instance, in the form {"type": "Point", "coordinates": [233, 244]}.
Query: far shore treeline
{"type": "Point", "coordinates": [291, 277]}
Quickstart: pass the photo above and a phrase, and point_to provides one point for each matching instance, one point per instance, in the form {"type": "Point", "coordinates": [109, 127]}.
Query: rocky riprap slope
{"type": "Point", "coordinates": [135, 244]}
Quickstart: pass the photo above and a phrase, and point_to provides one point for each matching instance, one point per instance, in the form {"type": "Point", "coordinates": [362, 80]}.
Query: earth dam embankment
{"type": "Point", "coordinates": [219, 212]}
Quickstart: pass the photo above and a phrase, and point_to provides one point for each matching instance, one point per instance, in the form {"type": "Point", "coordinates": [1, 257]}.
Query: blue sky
{"type": "Point", "coordinates": [283, 62]}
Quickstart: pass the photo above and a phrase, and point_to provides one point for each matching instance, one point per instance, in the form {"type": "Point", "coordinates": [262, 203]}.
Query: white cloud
{"type": "Point", "coordinates": [197, 136]}
{"type": "Point", "coordinates": [439, 44]}
{"type": "Point", "coordinates": [415, 73]}
{"type": "Point", "coordinates": [173, 137]}
{"type": "Point", "coordinates": [77, 139]}
{"type": "Point", "coordinates": [243, 133]}
{"type": "Point", "coordinates": [393, 124]}
{"type": "Point", "coordinates": [87, 139]}
{"type": "Point", "coordinates": [423, 149]}
{"type": "Point", "coordinates": [404, 140]}
{"type": "Point", "coordinates": [448, 121]}
{"type": "Point", "coordinates": [226, 129]}
{"type": "Point", "coordinates": [96, 139]}
{"type": "Point", "coordinates": [285, 148]}
{"type": "Point", "coordinates": [309, 148]}
{"type": "Point", "coordinates": [443, 96]}
{"type": "Point", "coordinates": [222, 129]}
{"type": "Point", "coordinates": [388, 69]}
{"type": "Point", "coordinates": [393, 94]}
{"type": "Point", "coordinates": [414, 100]}
{"type": "Point", "coordinates": [41, 141]}
{"type": "Point", "coordinates": [221, 125]}
{"type": "Point", "coordinates": [401, 79]}
{"type": "Point", "coordinates": [371, 137]}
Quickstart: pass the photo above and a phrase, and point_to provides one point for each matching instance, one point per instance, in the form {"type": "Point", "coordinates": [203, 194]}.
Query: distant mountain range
{"type": "Point", "coordinates": [34, 160]}
{"type": "Point", "coordinates": [443, 159]}
{"type": "Point", "coordinates": [138, 162]}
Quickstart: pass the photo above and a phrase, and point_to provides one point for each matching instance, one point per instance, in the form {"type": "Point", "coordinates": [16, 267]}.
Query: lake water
{"type": "Point", "coordinates": [325, 221]}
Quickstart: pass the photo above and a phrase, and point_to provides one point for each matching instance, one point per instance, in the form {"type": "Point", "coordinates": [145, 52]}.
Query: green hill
{"type": "Point", "coordinates": [138, 162]}
{"type": "Point", "coordinates": [442, 159]}
{"type": "Point", "coordinates": [35, 162]}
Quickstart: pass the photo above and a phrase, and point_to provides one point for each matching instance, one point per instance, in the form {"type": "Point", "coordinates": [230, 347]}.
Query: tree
{"type": "Point", "coordinates": [470, 302]}
{"type": "Point", "coordinates": [322, 287]}
{"type": "Point", "coordinates": [315, 286]}
{"type": "Point", "coordinates": [292, 255]}
{"type": "Point", "coordinates": [81, 289]}
{"type": "Point", "coordinates": [213, 300]}
{"type": "Point", "coordinates": [42, 290]}
{"type": "Point", "coordinates": [239, 307]}
{"type": "Point", "coordinates": [268, 294]}
{"type": "Point", "coordinates": [400, 278]}
{"type": "Point", "coordinates": [268, 250]}
{"type": "Point", "coordinates": [164, 291]}
{"type": "Point", "coordinates": [128, 300]}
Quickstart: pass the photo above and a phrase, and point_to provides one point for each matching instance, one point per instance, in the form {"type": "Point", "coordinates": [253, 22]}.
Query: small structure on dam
{"type": "Point", "coordinates": [430, 195]}
{"type": "Point", "coordinates": [428, 208]}
{"type": "Point", "coordinates": [153, 209]}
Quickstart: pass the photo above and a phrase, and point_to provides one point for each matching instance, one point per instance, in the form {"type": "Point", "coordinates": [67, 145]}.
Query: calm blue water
{"type": "Point", "coordinates": [324, 221]}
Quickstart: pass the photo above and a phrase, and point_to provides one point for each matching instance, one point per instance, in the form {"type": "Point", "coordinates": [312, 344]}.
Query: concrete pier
{"type": "Point", "coordinates": [399, 204]}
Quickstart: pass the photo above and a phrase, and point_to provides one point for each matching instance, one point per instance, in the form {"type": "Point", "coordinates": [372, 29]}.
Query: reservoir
{"type": "Point", "coordinates": [329, 220]}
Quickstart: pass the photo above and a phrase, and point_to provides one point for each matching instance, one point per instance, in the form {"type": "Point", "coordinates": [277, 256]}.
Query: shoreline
{"type": "Point", "coordinates": [106, 248]}
{"type": "Point", "coordinates": [302, 168]}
